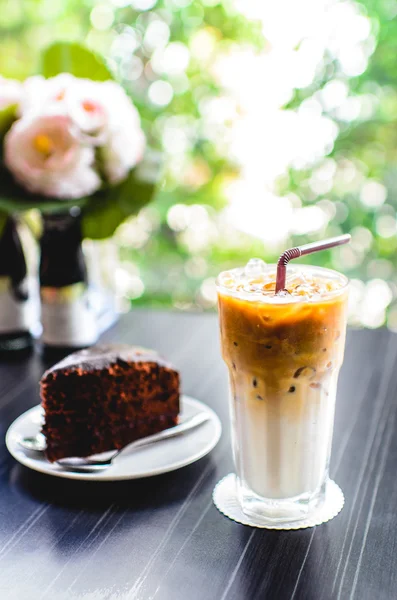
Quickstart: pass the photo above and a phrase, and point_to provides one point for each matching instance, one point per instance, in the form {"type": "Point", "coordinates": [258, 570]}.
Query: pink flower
{"type": "Point", "coordinates": [46, 156]}
{"type": "Point", "coordinates": [10, 92]}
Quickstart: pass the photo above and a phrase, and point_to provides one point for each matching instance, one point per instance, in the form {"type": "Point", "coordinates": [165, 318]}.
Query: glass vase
{"type": "Point", "coordinates": [67, 314]}
{"type": "Point", "coordinates": [17, 313]}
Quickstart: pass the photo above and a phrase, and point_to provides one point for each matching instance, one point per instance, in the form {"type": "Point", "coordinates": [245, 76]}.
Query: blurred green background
{"type": "Point", "coordinates": [278, 124]}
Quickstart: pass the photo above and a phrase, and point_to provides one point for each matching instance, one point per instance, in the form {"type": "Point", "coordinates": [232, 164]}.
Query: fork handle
{"type": "Point", "coordinates": [89, 464]}
{"type": "Point", "coordinates": [171, 432]}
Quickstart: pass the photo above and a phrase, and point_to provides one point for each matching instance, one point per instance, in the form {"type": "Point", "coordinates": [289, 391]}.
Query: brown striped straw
{"type": "Point", "coordinates": [301, 251]}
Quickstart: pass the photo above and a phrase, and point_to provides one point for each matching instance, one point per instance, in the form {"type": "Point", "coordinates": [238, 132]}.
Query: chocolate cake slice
{"type": "Point", "coordinates": [105, 397]}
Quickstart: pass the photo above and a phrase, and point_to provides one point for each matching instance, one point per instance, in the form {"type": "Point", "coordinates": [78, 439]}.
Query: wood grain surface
{"type": "Point", "coordinates": [162, 538]}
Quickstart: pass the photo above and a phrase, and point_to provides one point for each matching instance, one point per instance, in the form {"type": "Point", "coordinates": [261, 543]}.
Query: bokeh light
{"type": "Point", "coordinates": [160, 93]}
{"type": "Point", "coordinates": [102, 17]}
{"type": "Point", "coordinates": [276, 125]}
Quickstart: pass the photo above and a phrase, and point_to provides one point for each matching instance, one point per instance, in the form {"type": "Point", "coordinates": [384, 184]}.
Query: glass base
{"type": "Point", "coordinates": [226, 500]}
{"type": "Point", "coordinates": [272, 512]}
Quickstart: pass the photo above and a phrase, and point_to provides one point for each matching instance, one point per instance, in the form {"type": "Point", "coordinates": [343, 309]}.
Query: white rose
{"type": "Point", "coordinates": [87, 107]}
{"type": "Point", "coordinates": [102, 111]}
{"type": "Point", "coordinates": [10, 92]}
{"type": "Point", "coordinates": [47, 96]}
{"type": "Point", "coordinates": [69, 95]}
{"type": "Point", "coordinates": [124, 143]}
{"type": "Point", "coordinates": [46, 156]}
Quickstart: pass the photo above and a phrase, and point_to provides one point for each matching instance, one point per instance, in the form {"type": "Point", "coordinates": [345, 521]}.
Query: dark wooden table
{"type": "Point", "coordinates": [162, 538]}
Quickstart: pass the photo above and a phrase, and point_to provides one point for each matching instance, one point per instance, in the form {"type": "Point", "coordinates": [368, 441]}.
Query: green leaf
{"type": "Point", "coordinates": [109, 208]}
{"type": "Point", "coordinates": [7, 116]}
{"type": "Point", "coordinates": [3, 219]}
{"type": "Point", "coordinates": [66, 57]}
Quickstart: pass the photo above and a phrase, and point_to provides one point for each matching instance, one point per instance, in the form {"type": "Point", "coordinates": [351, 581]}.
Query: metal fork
{"type": "Point", "coordinates": [91, 465]}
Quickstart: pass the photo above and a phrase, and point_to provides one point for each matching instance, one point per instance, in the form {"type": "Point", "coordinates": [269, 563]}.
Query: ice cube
{"type": "Point", "coordinates": [255, 266]}
{"type": "Point", "coordinates": [295, 278]}
{"type": "Point", "coordinates": [283, 294]}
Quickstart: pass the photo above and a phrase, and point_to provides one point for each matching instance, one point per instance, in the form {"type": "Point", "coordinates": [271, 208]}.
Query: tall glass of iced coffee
{"type": "Point", "coordinates": [283, 352]}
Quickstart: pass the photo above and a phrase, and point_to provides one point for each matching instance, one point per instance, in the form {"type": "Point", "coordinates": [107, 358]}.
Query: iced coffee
{"type": "Point", "coordinates": [283, 353]}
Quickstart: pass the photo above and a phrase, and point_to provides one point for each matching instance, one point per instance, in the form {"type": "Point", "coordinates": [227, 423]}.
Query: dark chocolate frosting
{"type": "Point", "coordinates": [104, 356]}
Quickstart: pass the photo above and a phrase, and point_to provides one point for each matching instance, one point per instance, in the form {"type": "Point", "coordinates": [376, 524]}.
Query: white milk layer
{"type": "Point", "coordinates": [282, 443]}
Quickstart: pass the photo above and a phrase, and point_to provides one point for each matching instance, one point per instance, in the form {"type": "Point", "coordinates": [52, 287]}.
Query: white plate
{"type": "Point", "coordinates": [162, 457]}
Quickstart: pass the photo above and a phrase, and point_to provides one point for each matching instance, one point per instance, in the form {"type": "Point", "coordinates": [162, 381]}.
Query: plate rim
{"type": "Point", "coordinates": [52, 470]}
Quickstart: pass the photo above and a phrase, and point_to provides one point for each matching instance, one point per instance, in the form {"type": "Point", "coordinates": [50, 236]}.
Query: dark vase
{"type": "Point", "coordinates": [67, 316]}
{"type": "Point", "coordinates": [16, 305]}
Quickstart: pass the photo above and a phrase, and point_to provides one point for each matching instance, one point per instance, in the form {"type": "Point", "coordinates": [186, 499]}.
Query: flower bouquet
{"type": "Point", "coordinates": [72, 146]}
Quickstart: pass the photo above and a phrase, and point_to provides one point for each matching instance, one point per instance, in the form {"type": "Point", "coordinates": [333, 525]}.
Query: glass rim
{"type": "Point", "coordinates": [260, 298]}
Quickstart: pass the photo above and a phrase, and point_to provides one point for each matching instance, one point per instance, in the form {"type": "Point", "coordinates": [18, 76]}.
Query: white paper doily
{"type": "Point", "coordinates": [226, 500]}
